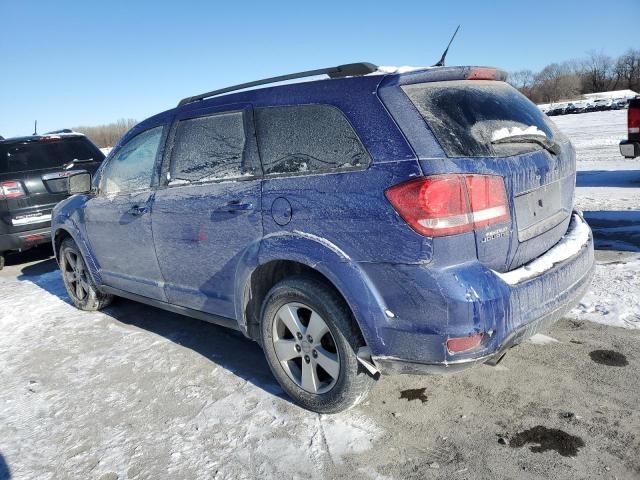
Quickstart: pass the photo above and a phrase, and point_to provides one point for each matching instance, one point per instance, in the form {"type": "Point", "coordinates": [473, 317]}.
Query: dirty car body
{"type": "Point", "coordinates": [448, 242]}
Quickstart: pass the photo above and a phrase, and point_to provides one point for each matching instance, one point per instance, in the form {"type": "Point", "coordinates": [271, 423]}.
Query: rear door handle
{"type": "Point", "coordinates": [235, 207]}
{"type": "Point", "coordinates": [136, 211]}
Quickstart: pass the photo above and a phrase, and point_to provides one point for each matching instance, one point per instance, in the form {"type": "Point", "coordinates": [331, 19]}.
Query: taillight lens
{"type": "Point", "coordinates": [11, 189]}
{"type": "Point", "coordinates": [488, 199]}
{"type": "Point", "coordinates": [448, 204]}
{"type": "Point", "coordinates": [633, 117]}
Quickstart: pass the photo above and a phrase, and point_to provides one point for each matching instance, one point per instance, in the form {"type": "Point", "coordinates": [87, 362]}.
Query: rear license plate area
{"type": "Point", "coordinates": [539, 210]}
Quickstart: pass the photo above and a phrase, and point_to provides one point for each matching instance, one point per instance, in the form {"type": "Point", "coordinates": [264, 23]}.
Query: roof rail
{"type": "Point", "coordinates": [64, 130]}
{"type": "Point", "coordinates": [348, 70]}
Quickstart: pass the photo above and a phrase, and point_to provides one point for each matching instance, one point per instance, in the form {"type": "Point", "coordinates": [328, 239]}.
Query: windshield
{"type": "Point", "coordinates": [36, 155]}
{"type": "Point", "coordinates": [467, 116]}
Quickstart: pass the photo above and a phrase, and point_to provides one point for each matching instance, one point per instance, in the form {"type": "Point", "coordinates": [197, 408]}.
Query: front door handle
{"type": "Point", "coordinates": [137, 210]}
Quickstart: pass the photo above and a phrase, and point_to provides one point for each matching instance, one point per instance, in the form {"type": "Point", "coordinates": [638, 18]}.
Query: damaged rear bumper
{"type": "Point", "coordinates": [511, 311]}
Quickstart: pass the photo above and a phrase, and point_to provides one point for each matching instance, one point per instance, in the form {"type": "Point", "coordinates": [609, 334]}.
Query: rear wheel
{"type": "Point", "coordinates": [310, 341]}
{"type": "Point", "coordinates": [1, 261]}
{"type": "Point", "coordinates": [80, 286]}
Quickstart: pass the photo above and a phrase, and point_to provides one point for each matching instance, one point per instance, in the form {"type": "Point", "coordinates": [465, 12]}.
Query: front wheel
{"type": "Point", "coordinates": [80, 286]}
{"type": "Point", "coordinates": [310, 341]}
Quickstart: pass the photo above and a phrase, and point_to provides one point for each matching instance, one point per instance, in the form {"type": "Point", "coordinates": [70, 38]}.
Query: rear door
{"type": "Point", "coordinates": [207, 220]}
{"type": "Point", "coordinates": [488, 127]}
{"type": "Point", "coordinates": [118, 218]}
{"type": "Point", "coordinates": [33, 177]}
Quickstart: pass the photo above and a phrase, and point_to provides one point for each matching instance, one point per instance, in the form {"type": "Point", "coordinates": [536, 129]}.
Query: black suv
{"type": "Point", "coordinates": [33, 178]}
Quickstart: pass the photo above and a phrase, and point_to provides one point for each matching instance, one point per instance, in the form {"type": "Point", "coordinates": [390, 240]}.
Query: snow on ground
{"type": "Point", "coordinates": [221, 409]}
{"type": "Point", "coordinates": [608, 192]}
{"type": "Point", "coordinates": [614, 297]}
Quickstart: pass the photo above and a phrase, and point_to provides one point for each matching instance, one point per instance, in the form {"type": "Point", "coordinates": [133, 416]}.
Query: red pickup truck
{"type": "Point", "coordinates": [630, 148]}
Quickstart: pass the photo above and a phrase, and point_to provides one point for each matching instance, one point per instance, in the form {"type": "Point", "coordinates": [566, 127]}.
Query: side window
{"type": "Point", "coordinates": [307, 138]}
{"type": "Point", "coordinates": [132, 167]}
{"type": "Point", "coordinates": [210, 148]}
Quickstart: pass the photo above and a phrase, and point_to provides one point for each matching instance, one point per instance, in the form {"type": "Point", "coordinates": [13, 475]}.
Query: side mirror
{"type": "Point", "coordinates": [79, 183]}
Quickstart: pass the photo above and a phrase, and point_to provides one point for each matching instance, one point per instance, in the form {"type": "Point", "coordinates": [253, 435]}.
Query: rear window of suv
{"type": "Point", "coordinates": [39, 154]}
{"type": "Point", "coordinates": [465, 115]}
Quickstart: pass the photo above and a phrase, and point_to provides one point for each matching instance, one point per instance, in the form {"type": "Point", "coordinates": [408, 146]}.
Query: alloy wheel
{"type": "Point", "coordinates": [305, 348]}
{"type": "Point", "coordinates": [75, 275]}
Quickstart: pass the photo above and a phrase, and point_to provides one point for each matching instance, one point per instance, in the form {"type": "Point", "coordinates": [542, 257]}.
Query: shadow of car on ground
{"type": "Point", "coordinates": [224, 347]}
{"type": "Point", "coordinates": [608, 178]}
{"type": "Point", "coordinates": [615, 230]}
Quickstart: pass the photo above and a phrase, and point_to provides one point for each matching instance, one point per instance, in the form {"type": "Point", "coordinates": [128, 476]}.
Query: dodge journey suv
{"type": "Point", "coordinates": [369, 223]}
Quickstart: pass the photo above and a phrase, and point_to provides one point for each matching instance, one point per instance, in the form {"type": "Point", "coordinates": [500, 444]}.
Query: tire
{"type": "Point", "coordinates": [1, 261]}
{"type": "Point", "coordinates": [299, 300]}
{"type": "Point", "coordinates": [81, 288]}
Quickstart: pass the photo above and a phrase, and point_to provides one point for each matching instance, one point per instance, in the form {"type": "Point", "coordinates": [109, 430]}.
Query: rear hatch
{"type": "Point", "coordinates": [487, 127]}
{"type": "Point", "coordinates": [33, 173]}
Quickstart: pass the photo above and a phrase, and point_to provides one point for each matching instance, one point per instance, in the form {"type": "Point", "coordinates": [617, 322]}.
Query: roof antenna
{"type": "Point", "coordinates": [444, 54]}
{"type": "Point", "coordinates": [35, 128]}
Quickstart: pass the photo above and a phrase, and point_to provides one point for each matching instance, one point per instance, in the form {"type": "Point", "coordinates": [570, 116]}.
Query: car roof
{"type": "Point", "coordinates": [348, 92]}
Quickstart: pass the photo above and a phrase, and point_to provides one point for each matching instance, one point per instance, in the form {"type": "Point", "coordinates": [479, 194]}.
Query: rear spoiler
{"type": "Point", "coordinates": [444, 74]}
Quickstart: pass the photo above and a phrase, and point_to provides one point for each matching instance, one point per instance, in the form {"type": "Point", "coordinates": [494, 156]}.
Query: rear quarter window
{"type": "Point", "coordinates": [463, 115]}
{"type": "Point", "coordinates": [307, 139]}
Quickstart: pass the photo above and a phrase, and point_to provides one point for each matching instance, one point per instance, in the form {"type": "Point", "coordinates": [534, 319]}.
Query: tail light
{"type": "Point", "coordinates": [633, 117]}
{"type": "Point", "coordinates": [449, 204]}
{"type": "Point", "coordinates": [11, 189]}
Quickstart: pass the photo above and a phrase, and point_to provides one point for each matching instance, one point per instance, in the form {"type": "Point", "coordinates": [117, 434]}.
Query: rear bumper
{"type": "Point", "coordinates": [473, 299]}
{"type": "Point", "coordinates": [24, 240]}
{"type": "Point", "coordinates": [630, 149]}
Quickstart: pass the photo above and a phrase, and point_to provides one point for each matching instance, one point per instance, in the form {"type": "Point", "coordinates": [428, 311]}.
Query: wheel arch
{"type": "Point", "coordinates": [286, 257]}
{"type": "Point", "coordinates": [68, 230]}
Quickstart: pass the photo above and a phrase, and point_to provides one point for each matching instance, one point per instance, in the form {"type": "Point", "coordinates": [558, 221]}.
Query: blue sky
{"type": "Point", "coordinates": [71, 63]}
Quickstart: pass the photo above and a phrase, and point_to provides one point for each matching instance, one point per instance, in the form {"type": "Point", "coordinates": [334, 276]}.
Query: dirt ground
{"type": "Point", "coordinates": [138, 393]}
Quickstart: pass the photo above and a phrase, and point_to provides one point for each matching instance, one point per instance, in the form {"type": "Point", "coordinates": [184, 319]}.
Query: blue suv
{"type": "Point", "coordinates": [377, 221]}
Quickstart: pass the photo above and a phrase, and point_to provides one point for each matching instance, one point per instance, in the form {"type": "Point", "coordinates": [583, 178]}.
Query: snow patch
{"type": "Point", "coordinates": [516, 131]}
{"type": "Point", "coordinates": [614, 296]}
{"type": "Point", "coordinates": [540, 339]}
{"type": "Point", "coordinates": [567, 247]}
{"type": "Point", "coordinates": [390, 69]}
{"type": "Point", "coordinates": [186, 411]}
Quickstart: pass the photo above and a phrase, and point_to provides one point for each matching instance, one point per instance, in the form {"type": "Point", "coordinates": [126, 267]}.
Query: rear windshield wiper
{"type": "Point", "coordinates": [550, 145]}
{"type": "Point", "coordinates": [69, 165]}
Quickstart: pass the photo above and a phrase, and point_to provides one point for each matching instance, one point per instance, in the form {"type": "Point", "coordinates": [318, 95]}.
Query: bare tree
{"type": "Point", "coordinates": [565, 81]}
{"type": "Point", "coordinates": [523, 80]}
{"type": "Point", "coordinates": [556, 82]}
{"type": "Point", "coordinates": [598, 68]}
{"type": "Point", "coordinates": [107, 135]}
{"type": "Point", "coordinates": [626, 71]}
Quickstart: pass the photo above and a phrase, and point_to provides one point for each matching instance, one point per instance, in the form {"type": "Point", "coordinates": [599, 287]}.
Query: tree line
{"type": "Point", "coordinates": [107, 135]}
{"type": "Point", "coordinates": [571, 79]}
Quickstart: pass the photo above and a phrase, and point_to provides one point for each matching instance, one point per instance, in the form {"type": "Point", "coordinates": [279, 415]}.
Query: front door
{"type": "Point", "coordinates": [207, 220]}
{"type": "Point", "coordinates": [118, 219]}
